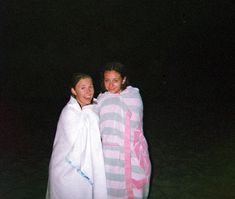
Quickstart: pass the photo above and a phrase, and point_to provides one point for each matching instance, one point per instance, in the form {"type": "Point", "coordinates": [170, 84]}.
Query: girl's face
{"type": "Point", "coordinates": [113, 81]}
{"type": "Point", "coordinates": [83, 91]}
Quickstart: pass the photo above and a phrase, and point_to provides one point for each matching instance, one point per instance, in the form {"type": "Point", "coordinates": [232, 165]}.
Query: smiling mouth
{"type": "Point", "coordinates": [88, 98]}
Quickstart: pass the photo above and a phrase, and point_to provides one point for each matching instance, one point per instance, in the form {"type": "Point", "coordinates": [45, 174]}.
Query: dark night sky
{"type": "Point", "coordinates": [174, 49]}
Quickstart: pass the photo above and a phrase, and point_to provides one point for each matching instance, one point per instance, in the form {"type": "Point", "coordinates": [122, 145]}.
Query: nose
{"type": "Point", "coordinates": [110, 84]}
{"type": "Point", "coordinates": [89, 90]}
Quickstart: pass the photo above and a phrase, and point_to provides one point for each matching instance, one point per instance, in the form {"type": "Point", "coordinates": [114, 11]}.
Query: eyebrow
{"type": "Point", "coordinates": [86, 85]}
{"type": "Point", "coordinates": [113, 78]}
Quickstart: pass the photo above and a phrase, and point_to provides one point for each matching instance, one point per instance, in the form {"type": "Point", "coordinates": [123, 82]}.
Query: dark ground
{"type": "Point", "coordinates": [191, 147]}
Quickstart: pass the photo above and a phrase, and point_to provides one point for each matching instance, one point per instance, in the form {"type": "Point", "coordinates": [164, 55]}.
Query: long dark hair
{"type": "Point", "coordinates": [76, 77]}
{"type": "Point", "coordinates": [117, 67]}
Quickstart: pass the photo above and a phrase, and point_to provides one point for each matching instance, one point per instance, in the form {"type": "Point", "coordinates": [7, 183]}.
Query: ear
{"type": "Point", "coordinates": [124, 80]}
{"type": "Point", "coordinates": [73, 92]}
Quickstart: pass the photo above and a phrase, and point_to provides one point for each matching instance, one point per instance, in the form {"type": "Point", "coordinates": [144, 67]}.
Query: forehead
{"type": "Point", "coordinates": [84, 81]}
{"type": "Point", "coordinates": [111, 74]}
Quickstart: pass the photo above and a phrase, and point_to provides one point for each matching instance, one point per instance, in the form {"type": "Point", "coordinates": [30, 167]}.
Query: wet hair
{"type": "Point", "coordinates": [77, 77]}
{"type": "Point", "coordinates": [117, 67]}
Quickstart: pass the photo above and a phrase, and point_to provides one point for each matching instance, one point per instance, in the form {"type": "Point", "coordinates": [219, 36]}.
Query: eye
{"type": "Point", "coordinates": [116, 80]}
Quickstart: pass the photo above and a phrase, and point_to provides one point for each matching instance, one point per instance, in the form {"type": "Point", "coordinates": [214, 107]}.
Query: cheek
{"type": "Point", "coordinates": [118, 84]}
{"type": "Point", "coordinates": [106, 84]}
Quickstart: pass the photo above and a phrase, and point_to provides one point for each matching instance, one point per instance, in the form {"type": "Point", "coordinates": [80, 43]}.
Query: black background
{"type": "Point", "coordinates": [178, 53]}
{"type": "Point", "coordinates": [182, 49]}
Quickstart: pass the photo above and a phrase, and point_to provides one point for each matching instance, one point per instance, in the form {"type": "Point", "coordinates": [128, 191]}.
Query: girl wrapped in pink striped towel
{"type": "Point", "coordinates": [126, 156]}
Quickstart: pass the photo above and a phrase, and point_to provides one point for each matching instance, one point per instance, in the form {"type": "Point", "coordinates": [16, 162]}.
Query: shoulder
{"type": "Point", "coordinates": [71, 109]}
{"type": "Point", "coordinates": [131, 89]}
{"type": "Point", "coordinates": [131, 92]}
{"type": "Point", "coordinates": [103, 96]}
